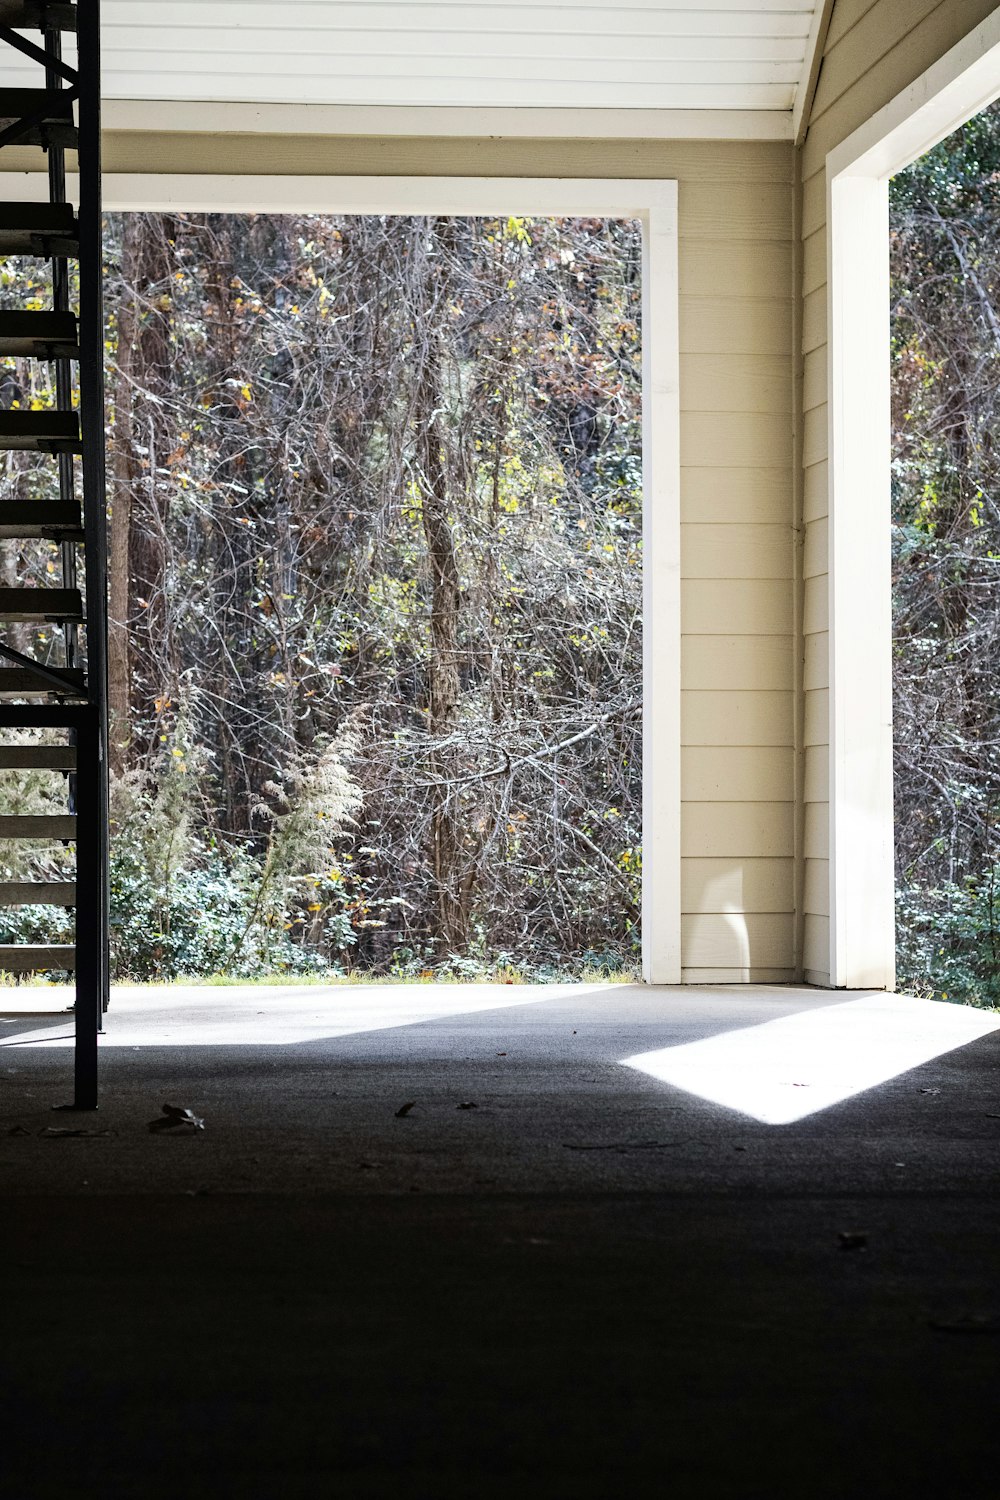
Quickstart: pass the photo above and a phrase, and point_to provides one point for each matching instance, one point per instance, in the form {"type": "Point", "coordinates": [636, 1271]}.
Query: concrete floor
{"type": "Point", "coordinates": [593, 1283]}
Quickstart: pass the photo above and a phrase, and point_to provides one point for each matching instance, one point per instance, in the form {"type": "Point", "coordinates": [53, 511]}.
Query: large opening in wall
{"type": "Point", "coordinates": [376, 559]}
{"type": "Point", "coordinates": [945, 332]}
{"type": "Point", "coordinates": [378, 500]}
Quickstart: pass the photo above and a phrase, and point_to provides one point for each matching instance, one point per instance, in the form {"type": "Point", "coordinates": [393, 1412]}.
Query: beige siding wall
{"type": "Point", "coordinates": [737, 295]}
{"type": "Point", "coordinates": [873, 50]}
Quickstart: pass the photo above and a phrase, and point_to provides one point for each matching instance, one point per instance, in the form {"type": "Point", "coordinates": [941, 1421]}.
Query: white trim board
{"type": "Point", "coordinates": [195, 192]}
{"type": "Point", "coordinates": [232, 118]}
{"type": "Point", "coordinates": [862, 915]}
{"type": "Point", "coordinates": [655, 204]}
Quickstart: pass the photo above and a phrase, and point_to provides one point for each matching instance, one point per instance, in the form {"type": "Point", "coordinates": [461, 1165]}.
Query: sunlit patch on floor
{"type": "Point", "coordinates": [784, 1070]}
{"type": "Point", "coordinates": [265, 1016]}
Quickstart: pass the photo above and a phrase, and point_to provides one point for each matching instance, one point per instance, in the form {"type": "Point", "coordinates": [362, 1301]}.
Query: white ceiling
{"type": "Point", "coordinates": [640, 54]}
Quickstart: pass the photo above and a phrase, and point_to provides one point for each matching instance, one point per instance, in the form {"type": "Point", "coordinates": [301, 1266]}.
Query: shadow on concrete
{"type": "Point", "coordinates": [590, 1284]}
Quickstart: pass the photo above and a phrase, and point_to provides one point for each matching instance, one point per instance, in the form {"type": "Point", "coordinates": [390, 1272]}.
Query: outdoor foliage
{"type": "Point", "coordinates": [375, 588]}
{"type": "Point", "coordinates": [946, 554]}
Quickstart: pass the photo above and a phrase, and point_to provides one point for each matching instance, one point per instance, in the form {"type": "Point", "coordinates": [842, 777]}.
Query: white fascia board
{"type": "Point", "coordinates": [960, 84]}
{"type": "Point", "coordinates": [222, 118]}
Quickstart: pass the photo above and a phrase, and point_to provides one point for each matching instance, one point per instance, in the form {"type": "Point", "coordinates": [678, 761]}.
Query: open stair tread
{"type": "Point", "coordinates": [22, 958]}
{"type": "Point", "coordinates": [41, 604]}
{"type": "Point", "coordinates": [42, 431]}
{"type": "Point", "coordinates": [53, 109]}
{"type": "Point", "coordinates": [22, 682]}
{"type": "Point", "coordinates": [61, 826]}
{"type": "Point", "coordinates": [38, 893]}
{"type": "Point", "coordinates": [60, 519]}
{"type": "Point", "coordinates": [38, 229]}
{"type": "Point", "coordinates": [37, 757]}
{"type": "Point", "coordinates": [38, 335]}
{"type": "Point", "coordinates": [37, 15]}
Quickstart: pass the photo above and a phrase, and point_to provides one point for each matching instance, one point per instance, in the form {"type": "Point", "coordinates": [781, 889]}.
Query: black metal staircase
{"type": "Point", "coordinates": [61, 684]}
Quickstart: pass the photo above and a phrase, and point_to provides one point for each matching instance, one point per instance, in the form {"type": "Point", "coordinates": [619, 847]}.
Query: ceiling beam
{"type": "Point", "coordinates": [224, 118]}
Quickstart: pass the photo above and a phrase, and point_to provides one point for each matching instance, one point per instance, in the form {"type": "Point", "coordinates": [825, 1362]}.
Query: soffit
{"type": "Point", "coordinates": [747, 55]}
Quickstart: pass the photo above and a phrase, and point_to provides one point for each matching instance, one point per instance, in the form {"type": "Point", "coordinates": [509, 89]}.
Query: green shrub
{"type": "Point", "coordinates": [948, 940]}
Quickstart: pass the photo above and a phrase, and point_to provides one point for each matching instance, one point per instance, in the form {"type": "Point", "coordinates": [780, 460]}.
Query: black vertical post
{"type": "Point", "coordinates": [61, 303]}
{"type": "Point", "coordinates": [90, 928]}
{"type": "Point", "coordinates": [92, 975]}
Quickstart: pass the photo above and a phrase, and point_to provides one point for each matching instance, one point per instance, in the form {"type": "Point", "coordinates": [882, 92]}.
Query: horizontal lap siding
{"type": "Point", "coordinates": [737, 567]}
{"type": "Point", "coordinates": [873, 50]}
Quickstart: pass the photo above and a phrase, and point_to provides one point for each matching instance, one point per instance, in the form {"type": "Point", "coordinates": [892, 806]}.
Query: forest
{"type": "Point", "coordinates": [945, 330]}
{"type": "Point", "coordinates": [375, 594]}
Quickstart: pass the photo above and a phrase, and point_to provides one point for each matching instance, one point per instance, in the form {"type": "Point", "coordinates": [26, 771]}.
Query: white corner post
{"type": "Point", "coordinates": [862, 908]}
{"type": "Point", "coordinates": [862, 913]}
{"type": "Point", "coordinates": [661, 636]}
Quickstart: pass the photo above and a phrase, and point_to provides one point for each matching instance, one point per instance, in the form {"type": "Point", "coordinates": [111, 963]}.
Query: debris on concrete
{"type": "Point", "coordinates": [66, 1132]}
{"type": "Point", "coordinates": [18, 1130]}
{"type": "Point", "coordinates": [176, 1117]}
{"type": "Point", "coordinates": [404, 1109]}
{"type": "Point", "coordinates": [853, 1239]}
{"type": "Point", "coordinates": [467, 1104]}
{"type": "Point", "coordinates": [973, 1323]}
{"type": "Point", "coordinates": [621, 1145]}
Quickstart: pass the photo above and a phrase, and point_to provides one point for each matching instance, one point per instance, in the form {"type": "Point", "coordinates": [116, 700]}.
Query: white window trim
{"type": "Point", "coordinates": [958, 86]}
{"type": "Point", "coordinates": [655, 204]}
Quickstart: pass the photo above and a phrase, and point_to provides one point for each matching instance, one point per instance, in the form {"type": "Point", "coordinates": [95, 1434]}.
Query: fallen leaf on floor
{"type": "Point", "coordinates": [501, 1054]}
{"type": "Point", "coordinates": [928, 1091]}
{"type": "Point", "coordinates": [853, 1239]}
{"type": "Point", "coordinates": [467, 1104]}
{"type": "Point", "coordinates": [622, 1145]}
{"type": "Point", "coordinates": [975, 1323]}
{"type": "Point", "coordinates": [739, 1148]}
{"type": "Point", "coordinates": [176, 1117]}
{"type": "Point", "coordinates": [65, 1132]}
{"type": "Point", "coordinates": [404, 1109]}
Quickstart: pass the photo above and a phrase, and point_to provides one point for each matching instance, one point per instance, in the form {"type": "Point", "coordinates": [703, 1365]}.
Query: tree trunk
{"type": "Point", "coordinates": [443, 658]}
{"type": "Point", "coordinates": [123, 477]}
